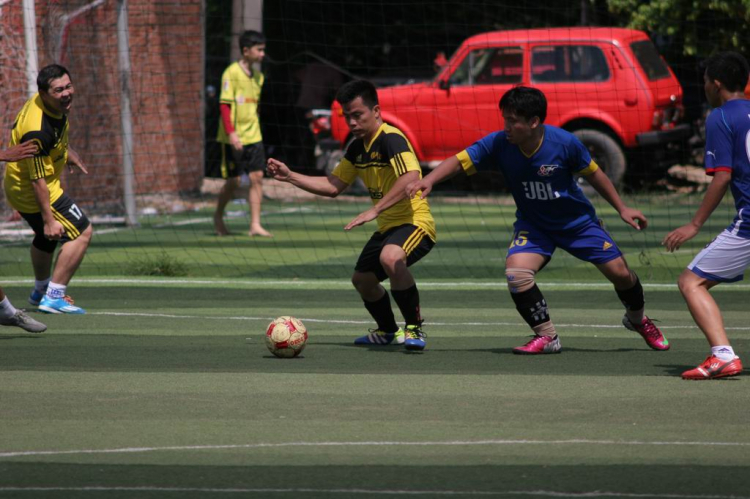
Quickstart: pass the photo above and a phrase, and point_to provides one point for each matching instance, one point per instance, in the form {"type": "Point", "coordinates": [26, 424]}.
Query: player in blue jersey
{"type": "Point", "coordinates": [726, 257]}
{"type": "Point", "coordinates": [539, 163]}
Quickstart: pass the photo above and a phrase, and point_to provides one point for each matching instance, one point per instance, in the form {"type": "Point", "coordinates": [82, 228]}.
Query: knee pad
{"type": "Point", "coordinates": [519, 280]}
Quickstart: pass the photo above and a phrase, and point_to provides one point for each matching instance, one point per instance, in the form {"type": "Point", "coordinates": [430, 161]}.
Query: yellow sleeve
{"type": "Point", "coordinates": [589, 169]}
{"type": "Point", "coordinates": [466, 163]}
{"type": "Point", "coordinates": [405, 162]}
{"type": "Point", "coordinates": [345, 171]}
{"type": "Point", "coordinates": [38, 167]}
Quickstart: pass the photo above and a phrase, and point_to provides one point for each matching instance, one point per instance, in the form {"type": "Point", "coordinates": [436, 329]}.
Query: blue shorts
{"type": "Point", "coordinates": [590, 242]}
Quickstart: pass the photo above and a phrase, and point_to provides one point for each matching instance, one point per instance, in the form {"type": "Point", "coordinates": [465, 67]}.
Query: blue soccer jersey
{"type": "Point", "coordinates": [542, 184]}
{"type": "Point", "coordinates": [728, 149]}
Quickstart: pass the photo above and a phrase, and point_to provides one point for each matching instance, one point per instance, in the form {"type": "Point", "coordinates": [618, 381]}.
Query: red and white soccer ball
{"type": "Point", "coordinates": [286, 337]}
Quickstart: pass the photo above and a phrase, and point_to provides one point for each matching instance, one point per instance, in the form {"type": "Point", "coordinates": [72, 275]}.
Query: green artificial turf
{"type": "Point", "coordinates": [165, 388]}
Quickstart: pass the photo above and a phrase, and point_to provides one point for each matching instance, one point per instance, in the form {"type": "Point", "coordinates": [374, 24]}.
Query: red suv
{"type": "Point", "coordinates": [609, 86]}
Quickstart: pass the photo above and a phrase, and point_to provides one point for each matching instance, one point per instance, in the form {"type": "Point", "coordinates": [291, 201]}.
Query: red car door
{"type": "Point", "coordinates": [462, 106]}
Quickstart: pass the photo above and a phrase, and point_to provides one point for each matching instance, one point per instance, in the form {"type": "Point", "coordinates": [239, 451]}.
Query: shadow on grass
{"type": "Point", "coordinates": [327, 354]}
{"type": "Point", "coordinates": [328, 480]}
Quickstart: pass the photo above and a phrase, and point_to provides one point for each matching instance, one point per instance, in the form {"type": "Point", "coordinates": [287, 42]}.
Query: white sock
{"type": "Point", "coordinates": [56, 291]}
{"type": "Point", "coordinates": [7, 309]}
{"type": "Point", "coordinates": [41, 286]}
{"type": "Point", "coordinates": [723, 352]}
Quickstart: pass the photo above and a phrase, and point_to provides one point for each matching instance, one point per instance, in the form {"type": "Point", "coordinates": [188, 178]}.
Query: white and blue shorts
{"type": "Point", "coordinates": [724, 259]}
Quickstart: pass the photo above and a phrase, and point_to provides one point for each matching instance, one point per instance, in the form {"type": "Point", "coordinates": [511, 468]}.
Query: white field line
{"type": "Point", "coordinates": [345, 284]}
{"type": "Point", "coordinates": [386, 492]}
{"type": "Point", "coordinates": [356, 322]}
{"type": "Point", "coordinates": [448, 443]}
{"type": "Point", "coordinates": [22, 234]}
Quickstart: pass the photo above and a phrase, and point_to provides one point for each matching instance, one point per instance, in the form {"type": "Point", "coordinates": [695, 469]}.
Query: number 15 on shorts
{"type": "Point", "coordinates": [520, 238]}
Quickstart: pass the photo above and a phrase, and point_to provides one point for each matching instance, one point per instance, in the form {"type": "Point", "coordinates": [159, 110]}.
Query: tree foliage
{"type": "Point", "coordinates": [701, 27]}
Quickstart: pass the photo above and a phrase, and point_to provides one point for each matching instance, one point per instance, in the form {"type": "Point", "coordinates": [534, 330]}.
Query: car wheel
{"type": "Point", "coordinates": [606, 152]}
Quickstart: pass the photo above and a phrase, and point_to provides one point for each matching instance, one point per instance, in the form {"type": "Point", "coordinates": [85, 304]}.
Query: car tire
{"type": "Point", "coordinates": [606, 152]}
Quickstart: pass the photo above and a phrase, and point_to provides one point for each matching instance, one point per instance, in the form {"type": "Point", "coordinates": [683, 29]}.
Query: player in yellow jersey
{"type": "Point", "coordinates": [9, 315]}
{"type": "Point", "coordinates": [239, 133]}
{"type": "Point", "coordinates": [32, 187]}
{"type": "Point", "coordinates": [384, 159]}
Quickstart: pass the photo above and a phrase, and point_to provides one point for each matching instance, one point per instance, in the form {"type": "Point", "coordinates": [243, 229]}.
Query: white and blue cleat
{"type": "Point", "coordinates": [59, 306]}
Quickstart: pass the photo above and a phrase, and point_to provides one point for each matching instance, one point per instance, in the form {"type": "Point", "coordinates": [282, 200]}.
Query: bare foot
{"type": "Point", "coordinates": [219, 227]}
{"type": "Point", "coordinates": [259, 231]}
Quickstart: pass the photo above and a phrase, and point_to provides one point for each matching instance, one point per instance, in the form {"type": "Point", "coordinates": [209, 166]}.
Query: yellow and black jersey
{"type": "Point", "coordinates": [379, 164]}
{"type": "Point", "coordinates": [242, 93]}
{"type": "Point", "coordinates": [50, 132]}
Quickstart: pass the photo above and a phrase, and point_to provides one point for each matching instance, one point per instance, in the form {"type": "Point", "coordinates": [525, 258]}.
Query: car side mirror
{"type": "Point", "coordinates": [445, 84]}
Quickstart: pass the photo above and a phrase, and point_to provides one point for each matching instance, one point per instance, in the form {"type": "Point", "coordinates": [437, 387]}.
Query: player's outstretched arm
{"type": "Point", "coordinates": [20, 151]}
{"type": "Point", "coordinates": [443, 171]}
{"type": "Point", "coordinates": [395, 195]}
{"type": "Point", "coordinates": [603, 185]}
{"type": "Point", "coordinates": [329, 186]}
{"type": "Point", "coordinates": [715, 193]}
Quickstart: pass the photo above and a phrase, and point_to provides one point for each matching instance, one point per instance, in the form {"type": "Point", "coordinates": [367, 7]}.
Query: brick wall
{"type": "Point", "coordinates": [166, 82]}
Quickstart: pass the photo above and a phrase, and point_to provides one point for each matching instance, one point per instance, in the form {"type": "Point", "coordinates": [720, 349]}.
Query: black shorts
{"type": "Point", "coordinates": [73, 220]}
{"type": "Point", "coordinates": [414, 240]}
{"type": "Point", "coordinates": [234, 164]}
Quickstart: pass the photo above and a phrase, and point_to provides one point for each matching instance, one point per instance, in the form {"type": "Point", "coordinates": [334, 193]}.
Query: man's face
{"type": "Point", "coordinates": [254, 54]}
{"type": "Point", "coordinates": [517, 128]}
{"type": "Point", "coordinates": [59, 97]}
{"type": "Point", "coordinates": [711, 89]}
{"type": "Point", "coordinates": [362, 120]}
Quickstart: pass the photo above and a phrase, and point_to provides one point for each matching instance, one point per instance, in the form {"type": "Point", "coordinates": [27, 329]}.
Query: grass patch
{"type": "Point", "coordinates": [160, 265]}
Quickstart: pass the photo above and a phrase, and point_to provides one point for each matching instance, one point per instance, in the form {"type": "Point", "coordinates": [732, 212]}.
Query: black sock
{"type": "Point", "coordinates": [532, 306]}
{"type": "Point", "coordinates": [408, 302]}
{"type": "Point", "coordinates": [632, 298]}
{"type": "Point", "coordinates": [382, 313]}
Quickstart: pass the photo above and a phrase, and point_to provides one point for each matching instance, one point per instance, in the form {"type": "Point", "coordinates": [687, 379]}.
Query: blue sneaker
{"type": "Point", "coordinates": [414, 338]}
{"type": "Point", "coordinates": [378, 337]}
{"type": "Point", "coordinates": [59, 306]}
{"type": "Point", "coordinates": [36, 297]}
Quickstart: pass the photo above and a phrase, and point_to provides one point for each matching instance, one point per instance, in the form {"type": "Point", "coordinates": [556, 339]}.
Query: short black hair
{"type": "Point", "coordinates": [525, 101]}
{"type": "Point", "coordinates": [730, 68]}
{"type": "Point", "coordinates": [49, 73]}
{"type": "Point", "coordinates": [358, 88]}
{"type": "Point", "coordinates": [251, 38]}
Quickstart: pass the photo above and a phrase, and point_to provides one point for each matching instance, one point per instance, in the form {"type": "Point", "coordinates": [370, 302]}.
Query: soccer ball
{"type": "Point", "coordinates": [286, 337]}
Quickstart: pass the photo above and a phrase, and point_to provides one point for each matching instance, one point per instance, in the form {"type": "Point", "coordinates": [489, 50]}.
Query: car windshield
{"type": "Point", "coordinates": [650, 60]}
{"type": "Point", "coordinates": [490, 66]}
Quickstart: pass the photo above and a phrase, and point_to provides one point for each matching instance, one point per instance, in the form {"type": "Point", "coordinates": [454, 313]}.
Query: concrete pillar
{"type": "Point", "coordinates": [246, 14]}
